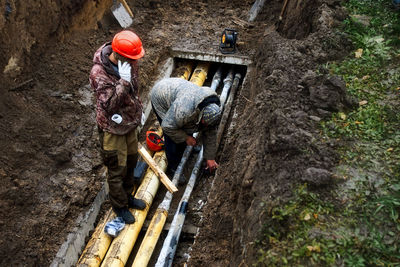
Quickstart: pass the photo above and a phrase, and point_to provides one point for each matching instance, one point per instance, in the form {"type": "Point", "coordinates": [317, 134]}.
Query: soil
{"type": "Point", "coordinates": [50, 166]}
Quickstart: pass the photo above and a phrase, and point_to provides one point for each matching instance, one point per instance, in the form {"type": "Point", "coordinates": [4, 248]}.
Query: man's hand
{"type": "Point", "coordinates": [190, 141]}
{"type": "Point", "coordinates": [124, 70]}
{"type": "Point", "coordinates": [212, 165]}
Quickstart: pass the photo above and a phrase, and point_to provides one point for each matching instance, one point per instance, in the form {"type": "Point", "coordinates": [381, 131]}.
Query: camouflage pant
{"type": "Point", "coordinates": [119, 154]}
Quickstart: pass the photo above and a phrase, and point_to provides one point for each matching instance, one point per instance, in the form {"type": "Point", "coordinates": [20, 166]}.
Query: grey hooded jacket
{"type": "Point", "coordinates": [179, 104]}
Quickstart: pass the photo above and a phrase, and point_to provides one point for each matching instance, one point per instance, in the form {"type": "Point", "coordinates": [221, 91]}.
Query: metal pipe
{"type": "Point", "coordinates": [171, 241]}
{"type": "Point", "coordinates": [227, 86]}
{"type": "Point", "coordinates": [158, 221]}
{"type": "Point", "coordinates": [227, 107]}
{"type": "Point", "coordinates": [216, 79]}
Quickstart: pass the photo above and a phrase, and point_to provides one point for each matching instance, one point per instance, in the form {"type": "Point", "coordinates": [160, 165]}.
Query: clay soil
{"type": "Point", "coordinates": [50, 166]}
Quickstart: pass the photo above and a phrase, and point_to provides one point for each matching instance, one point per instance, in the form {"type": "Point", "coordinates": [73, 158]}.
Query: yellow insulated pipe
{"type": "Point", "coordinates": [150, 240]}
{"type": "Point", "coordinates": [187, 70]}
{"type": "Point", "coordinates": [122, 245]}
{"type": "Point", "coordinates": [98, 244]}
{"type": "Point", "coordinates": [200, 73]}
{"type": "Point", "coordinates": [97, 247]}
{"type": "Point", "coordinates": [160, 217]}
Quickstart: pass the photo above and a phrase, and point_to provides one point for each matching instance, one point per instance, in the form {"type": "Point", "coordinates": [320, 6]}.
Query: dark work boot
{"type": "Point", "coordinates": [125, 214]}
{"type": "Point", "coordinates": [135, 203]}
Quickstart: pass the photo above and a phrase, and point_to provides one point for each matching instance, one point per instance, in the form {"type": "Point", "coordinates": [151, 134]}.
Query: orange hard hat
{"type": "Point", "coordinates": [154, 141]}
{"type": "Point", "coordinates": [128, 44]}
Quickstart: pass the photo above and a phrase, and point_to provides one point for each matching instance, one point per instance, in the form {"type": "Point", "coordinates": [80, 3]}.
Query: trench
{"type": "Point", "coordinates": [76, 241]}
{"type": "Point", "coordinates": [91, 224]}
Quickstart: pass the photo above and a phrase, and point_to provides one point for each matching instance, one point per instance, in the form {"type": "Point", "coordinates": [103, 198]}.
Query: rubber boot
{"type": "Point", "coordinates": [125, 214]}
{"type": "Point", "coordinates": [135, 203]}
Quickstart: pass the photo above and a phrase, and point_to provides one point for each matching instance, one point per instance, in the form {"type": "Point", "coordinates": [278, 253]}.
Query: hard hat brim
{"type": "Point", "coordinates": [140, 55]}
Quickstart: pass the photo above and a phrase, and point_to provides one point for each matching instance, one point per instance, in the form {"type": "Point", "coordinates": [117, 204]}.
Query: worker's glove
{"type": "Point", "coordinates": [124, 70]}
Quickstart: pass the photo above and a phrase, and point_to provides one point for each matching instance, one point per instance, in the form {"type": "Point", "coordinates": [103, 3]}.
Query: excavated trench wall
{"type": "Point", "coordinates": [26, 27]}
{"type": "Point", "coordinates": [274, 142]}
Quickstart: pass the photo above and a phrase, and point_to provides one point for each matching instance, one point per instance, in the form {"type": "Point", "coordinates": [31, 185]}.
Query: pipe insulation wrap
{"type": "Point", "coordinates": [216, 79]}
{"type": "Point", "coordinates": [157, 223]}
{"type": "Point", "coordinates": [227, 107]}
{"type": "Point", "coordinates": [227, 85]}
{"type": "Point", "coordinates": [122, 245]}
{"type": "Point", "coordinates": [171, 241]}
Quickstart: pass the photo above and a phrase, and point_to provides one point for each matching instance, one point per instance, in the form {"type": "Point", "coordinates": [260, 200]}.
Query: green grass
{"type": "Point", "coordinates": [360, 225]}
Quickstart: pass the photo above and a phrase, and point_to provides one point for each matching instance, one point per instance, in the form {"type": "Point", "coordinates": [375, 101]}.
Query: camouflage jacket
{"type": "Point", "coordinates": [114, 95]}
{"type": "Point", "coordinates": [179, 104]}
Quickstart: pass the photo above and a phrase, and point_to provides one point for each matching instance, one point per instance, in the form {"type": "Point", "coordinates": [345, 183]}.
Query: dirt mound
{"type": "Point", "coordinates": [278, 111]}
{"type": "Point", "coordinates": [49, 162]}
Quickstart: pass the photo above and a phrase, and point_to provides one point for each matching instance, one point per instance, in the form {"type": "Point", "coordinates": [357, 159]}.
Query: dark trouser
{"type": "Point", "coordinates": [173, 151]}
{"type": "Point", "coordinates": [119, 154]}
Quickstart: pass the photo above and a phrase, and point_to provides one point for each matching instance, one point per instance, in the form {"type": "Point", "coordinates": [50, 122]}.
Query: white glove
{"type": "Point", "coordinates": [124, 70]}
{"type": "Point", "coordinates": [143, 120]}
{"type": "Point", "coordinates": [116, 118]}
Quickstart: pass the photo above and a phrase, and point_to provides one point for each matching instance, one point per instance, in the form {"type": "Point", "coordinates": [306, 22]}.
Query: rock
{"type": "Point", "coordinates": [362, 19]}
{"type": "Point", "coordinates": [315, 118]}
{"type": "Point", "coordinates": [327, 92]}
{"type": "Point", "coordinates": [60, 156]}
{"type": "Point", "coordinates": [316, 176]}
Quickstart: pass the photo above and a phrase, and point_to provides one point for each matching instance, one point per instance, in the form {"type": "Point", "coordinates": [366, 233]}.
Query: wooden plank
{"type": "Point", "coordinates": [186, 228]}
{"type": "Point", "coordinates": [153, 165]}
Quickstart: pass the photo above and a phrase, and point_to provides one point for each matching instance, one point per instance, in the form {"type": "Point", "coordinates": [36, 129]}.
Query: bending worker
{"type": "Point", "coordinates": [114, 79]}
{"type": "Point", "coordinates": [183, 108]}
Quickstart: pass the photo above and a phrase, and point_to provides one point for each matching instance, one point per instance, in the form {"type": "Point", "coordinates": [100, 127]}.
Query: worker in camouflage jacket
{"type": "Point", "coordinates": [114, 79]}
{"type": "Point", "coordinates": [184, 108]}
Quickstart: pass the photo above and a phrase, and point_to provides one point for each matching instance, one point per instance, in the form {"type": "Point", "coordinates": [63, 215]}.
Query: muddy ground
{"type": "Point", "coordinates": [49, 165]}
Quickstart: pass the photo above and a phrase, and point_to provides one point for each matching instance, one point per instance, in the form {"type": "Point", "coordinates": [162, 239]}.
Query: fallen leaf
{"type": "Point", "coordinates": [307, 217]}
{"type": "Point", "coordinates": [272, 239]}
{"type": "Point", "coordinates": [315, 248]}
{"type": "Point", "coordinates": [358, 122]}
{"type": "Point", "coordinates": [342, 116]}
{"type": "Point", "coordinates": [362, 103]}
{"type": "Point", "coordinates": [389, 149]}
{"type": "Point", "coordinates": [315, 216]}
{"type": "Point", "coordinates": [359, 53]}
{"type": "Point", "coordinates": [366, 77]}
